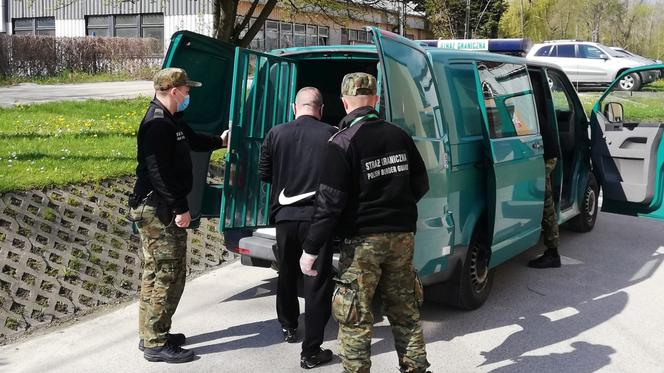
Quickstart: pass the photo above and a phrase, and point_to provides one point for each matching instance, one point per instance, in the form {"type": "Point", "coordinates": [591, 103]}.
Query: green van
{"type": "Point", "coordinates": [475, 118]}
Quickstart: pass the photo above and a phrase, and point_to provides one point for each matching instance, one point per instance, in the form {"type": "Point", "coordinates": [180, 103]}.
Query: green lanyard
{"type": "Point", "coordinates": [368, 116]}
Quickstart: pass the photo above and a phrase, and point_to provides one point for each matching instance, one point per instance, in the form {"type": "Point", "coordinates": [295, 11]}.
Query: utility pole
{"type": "Point", "coordinates": [523, 35]}
{"type": "Point", "coordinates": [402, 18]}
{"type": "Point", "coordinates": [466, 32]}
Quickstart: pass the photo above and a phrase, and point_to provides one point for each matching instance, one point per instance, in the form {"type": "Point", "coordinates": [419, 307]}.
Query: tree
{"type": "Point", "coordinates": [447, 17]}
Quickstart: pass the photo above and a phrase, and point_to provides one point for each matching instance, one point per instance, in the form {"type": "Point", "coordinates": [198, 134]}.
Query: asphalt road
{"type": "Point", "coordinates": [602, 311]}
{"type": "Point", "coordinates": [27, 93]}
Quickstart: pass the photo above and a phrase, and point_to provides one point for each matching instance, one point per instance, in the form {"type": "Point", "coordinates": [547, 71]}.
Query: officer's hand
{"type": "Point", "coordinates": [183, 220]}
{"type": "Point", "coordinates": [307, 263]}
{"type": "Point", "coordinates": [224, 138]}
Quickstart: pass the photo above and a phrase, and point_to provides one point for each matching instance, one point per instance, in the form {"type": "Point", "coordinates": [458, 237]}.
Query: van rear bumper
{"type": "Point", "coordinates": [258, 247]}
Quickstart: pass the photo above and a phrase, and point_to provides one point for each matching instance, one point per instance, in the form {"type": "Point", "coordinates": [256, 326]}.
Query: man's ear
{"type": "Point", "coordinates": [321, 110]}
{"type": "Point", "coordinates": [375, 101]}
{"type": "Point", "coordinates": [294, 107]}
{"type": "Point", "coordinates": [345, 104]}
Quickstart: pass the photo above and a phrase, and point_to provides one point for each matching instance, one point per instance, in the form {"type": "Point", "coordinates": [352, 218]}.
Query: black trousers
{"type": "Point", "coordinates": [317, 290]}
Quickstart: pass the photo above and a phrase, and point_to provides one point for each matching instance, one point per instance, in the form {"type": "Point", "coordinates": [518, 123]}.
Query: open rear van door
{"type": "Point", "coordinates": [209, 61]}
{"type": "Point", "coordinates": [262, 90]}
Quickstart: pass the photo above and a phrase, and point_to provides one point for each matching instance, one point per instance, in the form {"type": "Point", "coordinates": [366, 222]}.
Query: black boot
{"type": "Point", "coordinates": [550, 259]}
{"type": "Point", "coordinates": [177, 340]}
{"type": "Point", "coordinates": [169, 354]}
{"type": "Point", "coordinates": [316, 359]}
{"type": "Point", "coordinates": [290, 335]}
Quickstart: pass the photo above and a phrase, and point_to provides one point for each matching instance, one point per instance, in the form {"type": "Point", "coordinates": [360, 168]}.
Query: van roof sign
{"type": "Point", "coordinates": [515, 47]}
{"type": "Point", "coordinates": [465, 44]}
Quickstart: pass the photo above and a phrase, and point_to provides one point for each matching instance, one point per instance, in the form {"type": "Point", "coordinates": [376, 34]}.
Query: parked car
{"type": "Point", "coordinates": [592, 64]}
{"type": "Point", "coordinates": [475, 118]}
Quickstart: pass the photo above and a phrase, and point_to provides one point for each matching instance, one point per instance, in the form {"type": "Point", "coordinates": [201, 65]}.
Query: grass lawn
{"type": "Point", "coordinates": [59, 143]}
{"type": "Point", "coordinates": [644, 105]}
{"type": "Point", "coordinates": [66, 142]}
{"type": "Point", "coordinates": [80, 77]}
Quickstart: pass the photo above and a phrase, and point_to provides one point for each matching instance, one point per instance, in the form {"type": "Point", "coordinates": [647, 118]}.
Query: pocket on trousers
{"type": "Point", "coordinates": [419, 290]}
{"type": "Point", "coordinates": [345, 302]}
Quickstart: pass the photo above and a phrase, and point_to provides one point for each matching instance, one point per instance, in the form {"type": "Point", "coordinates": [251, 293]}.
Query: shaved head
{"type": "Point", "coordinates": [308, 101]}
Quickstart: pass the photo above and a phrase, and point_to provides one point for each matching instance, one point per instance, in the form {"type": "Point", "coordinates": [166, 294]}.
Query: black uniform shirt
{"type": "Point", "coordinates": [164, 159]}
{"type": "Point", "coordinates": [374, 176]}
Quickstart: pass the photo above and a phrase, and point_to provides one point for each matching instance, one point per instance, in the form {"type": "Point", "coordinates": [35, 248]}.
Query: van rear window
{"type": "Point", "coordinates": [508, 99]}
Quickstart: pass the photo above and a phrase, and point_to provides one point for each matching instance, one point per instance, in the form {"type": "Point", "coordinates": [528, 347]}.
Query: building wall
{"type": "Point", "coordinates": [191, 15]}
{"type": "Point", "coordinates": [82, 8]}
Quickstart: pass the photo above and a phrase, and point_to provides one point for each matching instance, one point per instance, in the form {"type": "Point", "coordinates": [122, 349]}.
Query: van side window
{"type": "Point", "coordinates": [508, 99]}
{"type": "Point", "coordinates": [464, 97]}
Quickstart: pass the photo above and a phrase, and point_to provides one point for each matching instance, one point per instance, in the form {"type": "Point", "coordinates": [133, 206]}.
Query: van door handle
{"type": "Point", "coordinates": [537, 145]}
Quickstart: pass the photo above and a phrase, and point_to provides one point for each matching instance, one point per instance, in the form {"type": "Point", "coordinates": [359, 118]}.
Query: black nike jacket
{"type": "Point", "coordinates": [292, 160]}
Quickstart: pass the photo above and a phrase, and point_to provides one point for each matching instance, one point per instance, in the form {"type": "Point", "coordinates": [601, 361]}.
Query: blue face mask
{"type": "Point", "coordinates": [184, 104]}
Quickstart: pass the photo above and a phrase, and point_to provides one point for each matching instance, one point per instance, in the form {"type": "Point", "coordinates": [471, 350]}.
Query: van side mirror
{"type": "Point", "coordinates": [613, 111]}
{"type": "Point", "coordinates": [604, 56]}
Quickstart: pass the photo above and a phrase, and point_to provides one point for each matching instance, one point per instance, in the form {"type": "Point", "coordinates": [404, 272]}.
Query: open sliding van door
{"type": "Point", "coordinates": [263, 87]}
{"type": "Point", "coordinates": [209, 61]}
{"type": "Point", "coordinates": [511, 134]}
{"type": "Point", "coordinates": [627, 151]}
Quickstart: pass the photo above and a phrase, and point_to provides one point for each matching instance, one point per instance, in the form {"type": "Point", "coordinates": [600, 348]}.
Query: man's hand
{"type": "Point", "coordinates": [183, 220]}
{"type": "Point", "coordinates": [307, 263]}
{"type": "Point", "coordinates": [224, 137]}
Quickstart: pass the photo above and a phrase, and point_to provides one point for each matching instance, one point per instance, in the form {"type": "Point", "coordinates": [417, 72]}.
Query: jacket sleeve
{"type": "Point", "coordinates": [159, 145]}
{"type": "Point", "coordinates": [419, 180]}
{"type": "Point", "coordinates": [265, 163]}
{"type": "Point", "coordinates": [330, 199]}
{"type": "Point", "coordinates": [199, 142]}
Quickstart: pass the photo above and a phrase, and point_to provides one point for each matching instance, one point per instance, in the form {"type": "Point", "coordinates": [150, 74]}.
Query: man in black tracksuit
{"type": "Point", "coordinates": [291, 160]}
{"type": "Point", "coordinates": [374, 176]}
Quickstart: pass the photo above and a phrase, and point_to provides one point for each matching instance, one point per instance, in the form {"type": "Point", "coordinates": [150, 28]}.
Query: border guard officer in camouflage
{"type": "Point", "coordinates": [368, 195]}
{"type": "Point", "coordinates": [159, 208]}
{"type": "Point", "coordinates": [550, 229]}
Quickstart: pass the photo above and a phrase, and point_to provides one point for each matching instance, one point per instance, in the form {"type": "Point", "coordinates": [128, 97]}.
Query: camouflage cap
{"type": "Point", "coordinates": [358, 84]}
{"type": "Point", "coordinates": [172, 77]}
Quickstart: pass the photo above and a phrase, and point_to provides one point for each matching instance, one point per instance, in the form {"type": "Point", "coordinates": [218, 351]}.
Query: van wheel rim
{"type": "Point", "coordinates": [479, 270]}
{"type": "Point", "coordinates": [627, 82]}
{"type": "Point", "coordinates": [590, 204]}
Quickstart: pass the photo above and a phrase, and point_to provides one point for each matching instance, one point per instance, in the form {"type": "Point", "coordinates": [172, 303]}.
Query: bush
{"type": "Point", "coordinates": [45, 56]}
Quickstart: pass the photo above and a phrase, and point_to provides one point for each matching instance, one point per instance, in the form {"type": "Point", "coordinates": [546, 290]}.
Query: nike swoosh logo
{"type": "Point", "coordinates": [283, 200]}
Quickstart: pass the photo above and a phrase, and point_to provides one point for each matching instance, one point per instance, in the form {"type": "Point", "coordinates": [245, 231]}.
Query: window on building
{"type": "Point", "coordinates": [34, 26]}
{"type": "Point", "coordinates": [276, 34]}
{"type": "Point", "coordinates": [127, 26]}
{"type": "Point", "coordinates": [352, 36]}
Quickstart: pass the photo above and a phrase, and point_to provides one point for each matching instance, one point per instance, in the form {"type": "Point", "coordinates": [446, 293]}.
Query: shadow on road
{"type": "Point", "coordinates": [252, 335]}
{"type": "Point", "coordinates": [547, 307]}
{"type": "Point", "coordinates": [585, 358]}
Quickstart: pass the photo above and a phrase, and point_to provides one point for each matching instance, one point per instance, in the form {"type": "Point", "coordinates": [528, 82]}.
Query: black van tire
{"type": "Point", "coordinates": [630, 82]}
{"type": "Point", "coordinates": [585, 221]}
{"type": "Point", "coordinates": [476, 278]}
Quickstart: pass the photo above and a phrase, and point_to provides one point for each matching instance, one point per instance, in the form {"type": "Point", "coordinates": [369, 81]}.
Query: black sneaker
{"type": "Point", "coordinates": [290, 335]}
{"type": "Point", "coordinates": [168, 354]}
{"type": "Point", "coordinates": [177, 340]}
{"type": "Point", "coordinates": [545, 261]}
{"type": "Point", "coordinates": [318, 358]}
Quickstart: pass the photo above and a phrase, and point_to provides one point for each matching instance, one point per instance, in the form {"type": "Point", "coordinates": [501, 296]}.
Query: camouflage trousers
{"type": "Point", "coordinates": [550, 218]}
{"type": "Point", "coordinates": [164, 272]}
{"type": "Point", "coordinates": [380, 263]}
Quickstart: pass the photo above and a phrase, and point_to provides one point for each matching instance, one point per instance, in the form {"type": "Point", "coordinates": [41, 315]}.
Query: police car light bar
{"type": "Point", "coordinates": [517, 47]}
